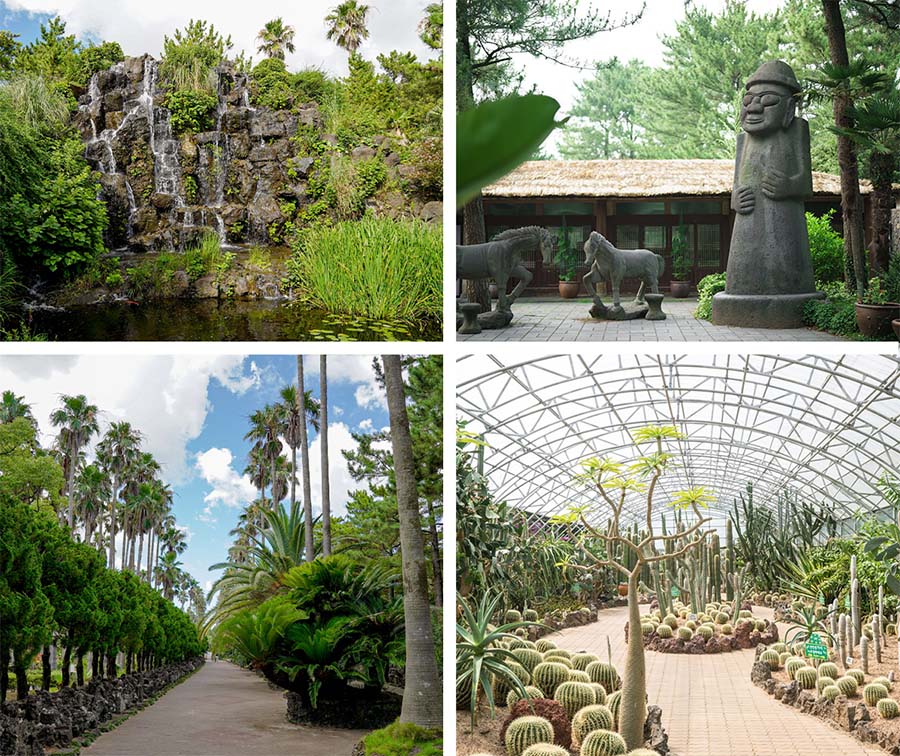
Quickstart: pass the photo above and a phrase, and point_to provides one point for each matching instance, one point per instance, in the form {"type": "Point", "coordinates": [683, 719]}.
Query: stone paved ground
{"type": "Point", "coordinates": [221, 710]}
{"type": "Point", "coordinates": [709, 705]}
{"type": "Point", "coordinates": [554, 319]}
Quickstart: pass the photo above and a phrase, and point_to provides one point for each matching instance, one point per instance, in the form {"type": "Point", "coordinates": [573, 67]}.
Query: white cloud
{"type": "Point", "coordinates": [366, 425]}
{"type": "Point", "coordinates": [164, 397]}
{"type": "Point", "coordinates": [228, 487]}
{"type": "Point", "coordinates": [140, 26]}
{"type": "Point", "coordinates": [353, 369]}
{"type": "Point", "coordinates": [339, 439]}
{"type": "Point", "coordinates": [337, 411]}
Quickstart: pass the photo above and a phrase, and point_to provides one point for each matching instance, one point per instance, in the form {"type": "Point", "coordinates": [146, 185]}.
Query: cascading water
{"type": "Point", "coordinates": [166, 170]}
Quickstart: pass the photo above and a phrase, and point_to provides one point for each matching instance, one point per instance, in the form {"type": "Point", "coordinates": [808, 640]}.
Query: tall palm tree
{"type": "Point", "coordinates": [323, 436]}
{"type": "Point", "coordinates": [431, 27]}
{"type": "Point", "coordinates": [422, 695]}
{"type": "Point", "coordinates": [76, 419]}
{"type": "Point", "coordinates": [13, 407]}
{"type": "Point", "coordinates": [304, 453]}
{"type": "Point", "coordinates": [116, 453]}
{"type": "Point", "coordinates": [274, 38]}
{"type": "Point", "coordinates": [266, 428]}
{"type": "Point", "coordinates": [168, 573]}
{"type": "Point", "coordinates": [347, 25]}
{"type": "Point", "coordinates": [91, 494]}
{"type": "Point", "coordinates": [290, 418]}
{"type": "Point", "coordinates": [141, 472]}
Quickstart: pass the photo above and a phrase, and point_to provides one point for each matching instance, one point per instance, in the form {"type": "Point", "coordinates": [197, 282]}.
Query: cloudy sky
{"type": "Point", "coordinates": [641, 40]}
{"type": "Point", "coordinates": [139, 26]}
{"type": "Point", "coordinates": [192, 412]}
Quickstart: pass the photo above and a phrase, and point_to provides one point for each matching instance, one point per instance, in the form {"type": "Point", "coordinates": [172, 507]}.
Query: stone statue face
{"type": "Point", "coordinates": [765, 108]}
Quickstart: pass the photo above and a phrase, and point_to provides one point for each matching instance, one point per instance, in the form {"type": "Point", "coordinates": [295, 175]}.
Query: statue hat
{"type": "Point", "coordinates": [775, 72]}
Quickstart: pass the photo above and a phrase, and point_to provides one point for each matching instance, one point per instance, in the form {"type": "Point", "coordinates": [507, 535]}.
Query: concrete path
{"type": "Point", "coordinates": [554, 319]}
{"type": "Point", "coordinates": [222, 710]}
{"type": "Point", "coordinates": [709, 705]}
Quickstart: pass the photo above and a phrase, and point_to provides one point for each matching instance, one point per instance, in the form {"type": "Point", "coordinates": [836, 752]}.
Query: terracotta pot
{"type": "Point", "coordinates": [680, 289]}
{"type": "Point", "coordinates": [874, 321]}
{"type": "Point", "coordinates": [569, 289]}
{"type": "Point", "coordinates": [623, 589]}
{"type": "Point", "coordinates": [895, 324]}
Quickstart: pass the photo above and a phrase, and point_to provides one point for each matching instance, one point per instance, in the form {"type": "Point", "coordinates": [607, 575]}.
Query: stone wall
{"type": "Point", "coordinates": [359, 710]}
{"type": "Point", "coordinates": [895, 231]}
{"type": "Point", "coordinates": [44, 720]}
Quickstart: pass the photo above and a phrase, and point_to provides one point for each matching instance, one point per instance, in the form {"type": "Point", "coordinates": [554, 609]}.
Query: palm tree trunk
{"type": "Point", "coordinates": [323, 436]}
{"type": "Point", "coordinates": [435, 557]}
{"type": "Point", "coordinates": [422, 694]}
{"type": "Point", "coordinates": [72, 458]}
{"type": "Point", "coordinates": [293, 476]}
{"type": "Point", "coordinates": [112, 525]}
{"type": "Point", "coordinates": [140, 553]}
{"type": "Point", "coordinates": [304, 451]}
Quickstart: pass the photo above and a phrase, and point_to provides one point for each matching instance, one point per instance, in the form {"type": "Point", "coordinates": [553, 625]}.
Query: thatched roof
{"type": "Point", "coordinates": [633, 178]}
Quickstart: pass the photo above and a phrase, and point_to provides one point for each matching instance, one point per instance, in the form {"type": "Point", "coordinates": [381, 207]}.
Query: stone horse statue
{"type": "Point", "coordinates": [608, 263]}
{"type": "Point", "coordinates": [501, 259]}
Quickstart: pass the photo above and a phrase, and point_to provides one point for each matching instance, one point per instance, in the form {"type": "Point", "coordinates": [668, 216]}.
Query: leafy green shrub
{"type": "Point", "coordinates": [312, 85]}
{"type": "Point", "coordinates": [376, 268]}
{"type": "Point", "coordinates": [190, 189]}
{"type": "Point", "coordinates": [191, 110]}
{"type": "Point", "coordinates": [892, 278]}
{"type": "Point", "coordinates": [402, 739]}
{"type": "Point", "coordinates": [100, 57]}
{"type": "Point", "coordinates": [835, 314]}
{"type": "Point", "coordinates": [427, 158]}
{"type": "Point", "coordinates": [272, 84]}
{"type": "Point", "coordinates": [191, 55]}
{"type": "Point", "coordinates": [826, 247]}
{"type": "Point", "coordinates": [708, 287]}
{"type": "Point", "coordinates": [259, 258]}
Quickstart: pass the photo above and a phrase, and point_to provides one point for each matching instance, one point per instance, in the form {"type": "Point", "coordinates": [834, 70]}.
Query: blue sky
{"type": "Point", "coordinates": [140, 26]}
{"type": "Point", "coordinates": [192, 411]}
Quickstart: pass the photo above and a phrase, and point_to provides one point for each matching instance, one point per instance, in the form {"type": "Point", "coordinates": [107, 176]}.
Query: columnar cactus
{"type": "Point", "coordinates": [574, 696]}
{"type": "Point", "coordinates": [531, 690]}
{"type": "Point", "coordinates": [806, 676]}
{"type": "Point", "coordinates": [876, 637]}
{"type": "Point", "coordinates": [664, 632]}
{"type": "Point", "coordinates": [771, 658]}
{"type": "Point", "coordinates": [828, 669]}
{"type": "Point", "coordinates": [545, 749]}
{"type": "Point", "coordinates": [856, 628]}
{"type": "Point", "coordinates": [831, 691]}
{"type": "Point", "coordinates": [603, 743]}
{"type": "Point", "coordinates": [590, 718]}
{"type": "Point", "coordinates": [581, 661]}
{"type": "Point", "coordinates": [888, 708]}
{"type": "Point", "coordinates": [605, 674]}
{"type": "Point", "coordinates": [864, 653]}
{"type": "Point", "coordinates": [528, 657]}
{"type": "Point", "coordinates": [842, 640]}
{"type": "Point", "coordinates": [549, 675]}
{"type": "Point", "coordinates": [873, 693]}
{"type": "Point", "coordinates": [847, 685]}
{"type": "Point", "coordinates": [527, 731]}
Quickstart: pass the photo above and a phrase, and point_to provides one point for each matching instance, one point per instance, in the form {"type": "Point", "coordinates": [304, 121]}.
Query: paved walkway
{"type": "Point", "coordinates": [554, 319]}
{"type": "Point", "coordinates": [709, 705]}
{"type": "Point", "coordinates": [222, 710]}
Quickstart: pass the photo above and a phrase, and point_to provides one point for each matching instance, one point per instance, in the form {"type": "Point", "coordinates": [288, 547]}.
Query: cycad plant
{"type": "Point", "coordinates": [255, 634]}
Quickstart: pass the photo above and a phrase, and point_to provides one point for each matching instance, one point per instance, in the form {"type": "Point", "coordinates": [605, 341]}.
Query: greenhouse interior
{"type": "Point", "coordinates": [686, 555]}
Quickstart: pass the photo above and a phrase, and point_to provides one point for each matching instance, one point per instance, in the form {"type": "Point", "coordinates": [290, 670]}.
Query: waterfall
{"type": "Point", "coordinates": [163, 145]}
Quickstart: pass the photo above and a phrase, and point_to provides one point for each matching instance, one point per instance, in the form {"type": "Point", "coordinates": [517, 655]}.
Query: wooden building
{"type": "Point", "coordinates": [634, 203]}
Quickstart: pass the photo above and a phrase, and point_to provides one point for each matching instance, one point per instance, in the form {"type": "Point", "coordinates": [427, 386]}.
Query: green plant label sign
{"type": "Point", "coordinates": [676, 592]}
{"type": "Point", "coordinates": [814, 648]}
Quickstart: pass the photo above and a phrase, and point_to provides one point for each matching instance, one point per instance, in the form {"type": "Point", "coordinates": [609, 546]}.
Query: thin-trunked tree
{"type": "Point", "coordinates": [614, 482]}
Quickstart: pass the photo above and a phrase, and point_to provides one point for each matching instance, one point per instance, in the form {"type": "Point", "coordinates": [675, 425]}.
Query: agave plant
{"type": "Point", "coordinates": [805, 621]}
{"type": "Point", "coordinates": [479, 657]}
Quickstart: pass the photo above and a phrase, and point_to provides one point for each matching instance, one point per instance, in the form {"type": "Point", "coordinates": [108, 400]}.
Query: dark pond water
{"type": "Point", "coordinates": [211, 320]}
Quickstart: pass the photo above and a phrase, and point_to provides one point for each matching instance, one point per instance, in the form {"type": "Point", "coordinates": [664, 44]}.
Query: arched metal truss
{"type": "Point", "coordinates": [825, 428]}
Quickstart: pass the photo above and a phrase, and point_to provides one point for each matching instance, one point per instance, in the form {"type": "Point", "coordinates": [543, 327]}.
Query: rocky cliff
{"type": "Point", "coordinates": [244, 179]}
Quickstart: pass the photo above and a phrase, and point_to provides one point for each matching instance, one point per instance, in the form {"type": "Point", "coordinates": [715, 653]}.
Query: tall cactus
{"type": "Point", "coordinates": [876, 637]}
{"type": "Point", "coordinates": [864, 653]}
{"type": "Point", "coordinates": [854, 604]}
{"type": "Point", "coordinates": [842, 640]}
{"type": "Point", "coordinates": [730, 566]}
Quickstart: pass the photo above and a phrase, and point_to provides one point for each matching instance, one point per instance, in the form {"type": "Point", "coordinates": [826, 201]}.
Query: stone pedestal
{"type": "Point", "coordinates": [654, 303]}
{"type": "Point", "coordinates": [631, 311]}
{"type": "Point", "coordinates": [761, 310]}
{"type": "Point", "coordinates": [470, 311]}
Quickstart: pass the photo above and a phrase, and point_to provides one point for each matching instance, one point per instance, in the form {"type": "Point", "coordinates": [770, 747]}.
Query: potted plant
{"type": "Point", "coordinates": [892, 286]}
{"type": "Point", "coordinates": [567, 263]}
{"type": "Point", "coordinates": [876, 311]}
{"type": "Point", "coordinates": [680, 286]}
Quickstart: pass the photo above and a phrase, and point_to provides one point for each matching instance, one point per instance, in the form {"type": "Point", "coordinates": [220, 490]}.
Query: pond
{"type": "Point", "coordinates": [216, 320]}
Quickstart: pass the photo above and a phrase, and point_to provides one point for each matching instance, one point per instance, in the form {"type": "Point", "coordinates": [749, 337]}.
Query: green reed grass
{"type": "Point", "coordinates": [374, 268]}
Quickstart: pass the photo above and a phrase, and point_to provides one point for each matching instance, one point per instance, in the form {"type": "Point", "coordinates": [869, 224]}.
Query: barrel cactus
{"type": "Point", "coordinates": [514, 695]}
{"type": "Point", "coordinates": [884, 681]}
{"type": "Point", "coordinates": [857, 674]}
{"type": "Point", "coordinates": [543, 645]}
{"type": "Point", "coordinates": [806, 676]}
{"type": "Point", "coordinates": [829, 669]}
{"type": "Point", "coordinates": [513, 615]}
{"type": "Point", "coordinates": [771, 658]}
{"type": "Point", "coordinates": [685, 633]}
{"type": "Point", "coordinates": [847, 685]}
{"type": "Point", "coordinates": [558, 652]}
{"type": "Point", "coordinates": [726, 629]}
{"type": "Point", "coordinates": [574, 696]}
{"type": "Point", "coordinates": [779, 647]}
{"type": "Point", "coordinates": [549, 675]}
{"type": "Point", "coordinates": [564, 660]}
{"type": "Point", "coordinates": [722, 618]}
{"type": "Point", "coordinates": [502, 685]}
{"type": "Point", "coordinates": [612, 703]}
{"type": "Point", "coordinates": [513, 643]}
{"type": "Point", "coordinates": [890, 629]}
{"type": "Point", "coordinates": [831, 691]}
{"type": "Point", "coordinates": [647, 628]}
{"type": "Point", "coordinates": [528, 657]}
{"type": "Point", "coordinates": [576, 675]}
{"type": "Point", "coordinates": [530, 615]}
{"type": "Point", "coordinates": [599, 693]}
{"type": "Point", "coordinates": [590, 718]}
{"type": "Point", "coordinates": [603, 743]}
{"type": "Point", "coordinates": [705, 632]}
{"type": "Point", "coordinates": [760, 625]}
{"type": "Point", "coordinates": [671, 620]}
{"type": "Point", "coordinates": [527, 731]}
{"type": "Point", "coordinates": [784, 656]}
{"type": "Point", "coordinates": [873, 693]}
{"type": "Point", "coordinates": [888, 708]}
{"type": "Point", "coordinates": [642, 752]}
{"type": "Point", "coordinates": [792, 665]}
{"type": "Point", "coordinates": [823, 682]}
{"type": "Point", "coordinates": [664, 632]}
{"type": "Point", "coordinates": [581, 661]}
{"type": "Point", "coordinates": [605, 674]}
{"type": "Point", "coordinates": [545, 749]}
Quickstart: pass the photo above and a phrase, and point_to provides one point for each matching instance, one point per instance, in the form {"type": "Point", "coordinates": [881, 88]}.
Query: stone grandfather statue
{"type": "Point", "coordinates": [769, 276]}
